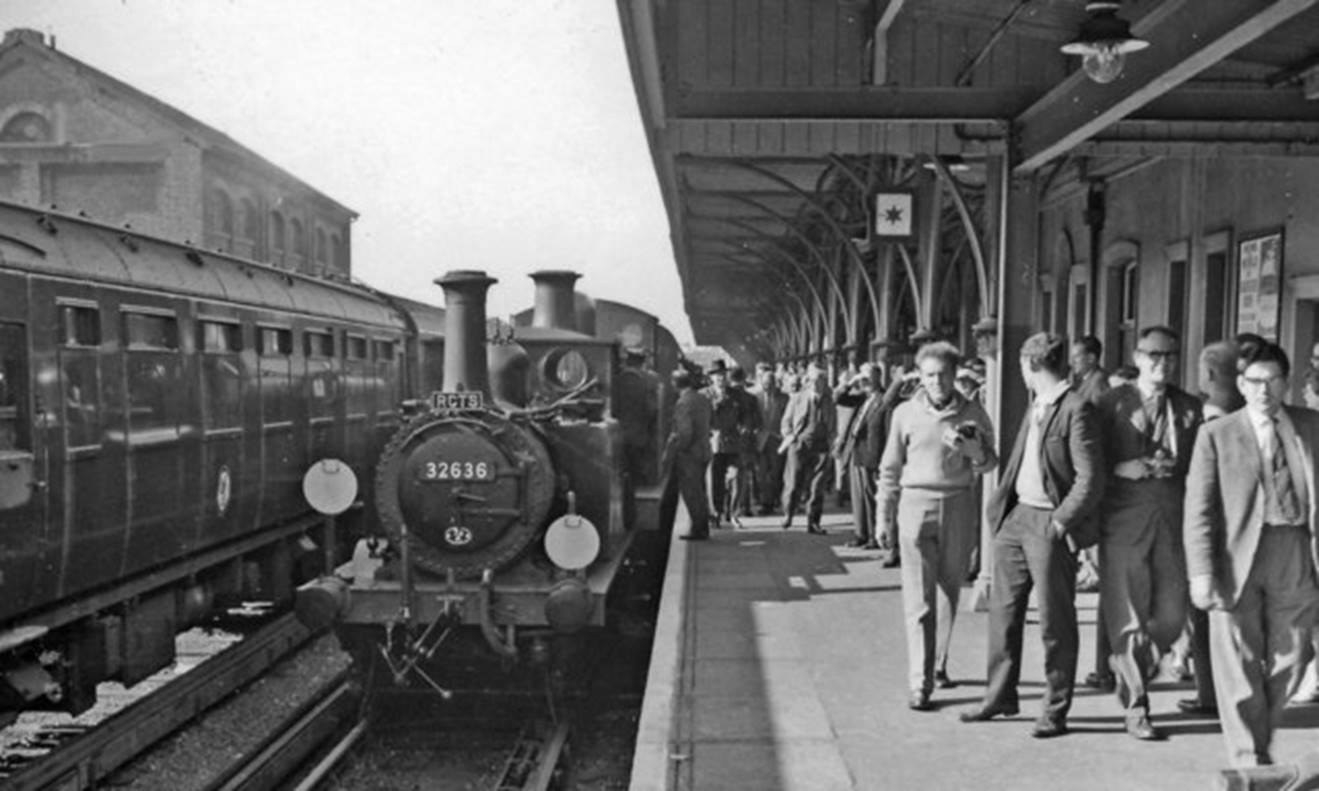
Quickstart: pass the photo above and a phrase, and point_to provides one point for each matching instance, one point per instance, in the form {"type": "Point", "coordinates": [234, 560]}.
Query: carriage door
{"type": "Point", "coordinates": [21, 483]}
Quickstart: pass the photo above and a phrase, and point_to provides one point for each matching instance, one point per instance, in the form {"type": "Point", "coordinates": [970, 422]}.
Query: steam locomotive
{"type": "Point", "coordinates": [509, 503]}
{"type": "Point", "coordinates": [161, 406]}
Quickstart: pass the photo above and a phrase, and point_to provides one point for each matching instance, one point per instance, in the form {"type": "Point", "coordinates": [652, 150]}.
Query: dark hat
{"type": "Point", "coordinates": [718, 367]}
{"type": "Point", "coordinates": [736, 374]}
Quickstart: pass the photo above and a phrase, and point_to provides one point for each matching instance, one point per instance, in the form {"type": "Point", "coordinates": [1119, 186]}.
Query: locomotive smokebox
{"type": "Point", "coordinates": [464, 330]}
{"type": "Point", "coordinates": [556, 305]}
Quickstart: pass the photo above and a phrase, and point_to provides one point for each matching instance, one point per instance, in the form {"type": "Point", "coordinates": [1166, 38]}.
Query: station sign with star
{"type": "Point", "coordinates": [895, 214]}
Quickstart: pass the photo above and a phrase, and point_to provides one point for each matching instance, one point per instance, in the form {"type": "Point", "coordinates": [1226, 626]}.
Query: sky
{"type": "Point", "coordinates": [468, 134]}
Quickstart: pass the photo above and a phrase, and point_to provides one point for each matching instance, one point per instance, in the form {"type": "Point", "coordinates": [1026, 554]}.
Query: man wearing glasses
{"type": "Point", "coordinates": [1250, 552]}
{"type": "Point", "coordinates": [1149, 430]}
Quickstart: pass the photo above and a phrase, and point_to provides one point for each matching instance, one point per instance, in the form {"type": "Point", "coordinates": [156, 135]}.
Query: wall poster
{"type": "Point", "coordinates": [1259, 296]}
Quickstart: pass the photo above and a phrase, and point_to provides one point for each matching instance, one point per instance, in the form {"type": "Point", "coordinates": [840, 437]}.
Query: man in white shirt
{"type": "Point", "coordinates": [1251, 552]}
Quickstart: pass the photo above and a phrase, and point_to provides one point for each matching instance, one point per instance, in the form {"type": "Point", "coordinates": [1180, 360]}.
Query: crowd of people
{"type": "Point", "coordinates": [1193, 516]}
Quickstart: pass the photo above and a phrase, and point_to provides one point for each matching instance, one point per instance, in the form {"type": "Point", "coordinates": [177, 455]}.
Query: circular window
{"type": "Point", "coordinates": [566, 368]}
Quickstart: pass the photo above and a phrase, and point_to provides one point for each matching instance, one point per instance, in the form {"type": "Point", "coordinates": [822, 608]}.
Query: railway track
{"type": "Point", "coordinates": [92, 756]}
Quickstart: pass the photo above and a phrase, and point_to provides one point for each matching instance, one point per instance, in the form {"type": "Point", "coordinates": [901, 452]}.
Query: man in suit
{"type": "Point", "coordinates": [1149, 430]}
{"type": "Point", "coordinates": [1042, 513]}
{"type": "Point", "coordinates": [1088, 379]}
{"type": "Point", "coordinates": [1251, 552]}
{"type": "Point", "coordinates": [859, 445]}
{"type": "Point", "coordinates": [769, 464]}
{"type": "Point", "coordinates": [725, 440]}
{"type": "Point", "coordinates": [807, 428]}
{"type": "Point", "coordinates": [686, 455]}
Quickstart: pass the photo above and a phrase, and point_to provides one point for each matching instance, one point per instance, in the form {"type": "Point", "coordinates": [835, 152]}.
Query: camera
{"type": "Point", "coordinates": [967, 430]}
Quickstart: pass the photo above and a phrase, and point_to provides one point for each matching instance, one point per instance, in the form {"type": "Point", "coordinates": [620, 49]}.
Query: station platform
{"type": "Point", "coordinates": [779, 664]}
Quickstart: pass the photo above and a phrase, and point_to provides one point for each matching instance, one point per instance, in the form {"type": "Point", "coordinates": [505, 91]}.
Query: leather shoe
{"type": "Point", "coordinates": [1101, 681]}
{"type": "Point", "coordinates": [987, 713]}
{"type": "Point", "coordinates": [1048, 728]}
{"type": "Point", "coordinates": [870, 545]}
{"type": "Point", "coordinates": [1195, 707]}
{"type": "Point", "coordinates": [815, 530]}
{"type": "Point", "coordinates": [695, 536]}
{"type": "Point", "coordinates": [857, 543]}
{"type": "Point", "coordinates": [1141, 728]}
{"type": "Point", "coordinates": [919, 701]}
{"type": "Point", "coordinates": [942, 681]}
{"type": "Point", "coordinates": [891, 562]}
{"type": "Point", "coordinates": [787, 522]}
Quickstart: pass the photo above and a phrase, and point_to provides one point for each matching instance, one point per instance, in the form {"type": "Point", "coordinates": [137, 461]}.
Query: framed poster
{"type": "Point", "coordinates": [1259, 295]}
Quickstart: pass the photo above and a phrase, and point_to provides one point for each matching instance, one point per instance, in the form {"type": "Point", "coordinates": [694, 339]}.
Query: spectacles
{"type": "Point", "coordinates": [1261, 381]}
{"type": "Point", "coordinates": [1155, 354]}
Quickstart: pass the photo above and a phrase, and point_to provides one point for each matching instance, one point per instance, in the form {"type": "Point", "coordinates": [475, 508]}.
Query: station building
{"type": "Point", "coordinates": [76, 138]}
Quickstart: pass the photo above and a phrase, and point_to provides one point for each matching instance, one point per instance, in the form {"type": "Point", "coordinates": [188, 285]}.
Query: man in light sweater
{"type": "Point", "coordinates": [938, 443]}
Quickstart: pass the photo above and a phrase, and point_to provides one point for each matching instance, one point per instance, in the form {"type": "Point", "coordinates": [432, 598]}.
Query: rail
{"type": "Point", "coordinates": [270, 764]}
{"type": "Point", "coordinates": [93, 756]}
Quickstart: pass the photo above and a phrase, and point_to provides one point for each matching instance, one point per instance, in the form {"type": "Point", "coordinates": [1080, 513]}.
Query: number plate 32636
{"type": "Point", "coordinates": [456, 471]}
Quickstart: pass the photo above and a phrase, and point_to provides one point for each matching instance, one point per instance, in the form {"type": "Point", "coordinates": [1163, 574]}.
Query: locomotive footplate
{"type": "Point", "coordinates": [517, 597]}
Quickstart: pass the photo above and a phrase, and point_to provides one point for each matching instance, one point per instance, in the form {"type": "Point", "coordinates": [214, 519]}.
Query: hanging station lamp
{"type": "Point", "coordinates": [1104, 41]}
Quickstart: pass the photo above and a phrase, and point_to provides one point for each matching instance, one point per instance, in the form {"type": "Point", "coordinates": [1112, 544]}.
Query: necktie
{"type": "Point", "coordinates": [1157, 412]}
{"type": "Point", "coordinates": [1289, 507]}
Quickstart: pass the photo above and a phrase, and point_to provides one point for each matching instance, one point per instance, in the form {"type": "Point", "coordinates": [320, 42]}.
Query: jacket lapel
{"type": "Point", "coordinates": [1247, 448]}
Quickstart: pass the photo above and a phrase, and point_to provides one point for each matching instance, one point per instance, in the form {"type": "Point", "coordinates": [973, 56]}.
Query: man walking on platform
{"type": "Point", "coordinates": [860, 444]}
{"type": "Point", "coordinates": [1149, 430]}
{"type": "Point", "coordinates": [748, 426]}
{"type": "Point", "coordinates": [1042, 513]}
{"type": "Point", "coordinates": [1088, 379]}
{"type": "Point", "coordinates": [725, 439]}
{"type": "Point", "coordinates": [768, 482]}
{"type": "Point", "coordinates": [1251, 552]}
{"type": "Point", "coordinates": [686, 455]}
{"type": "Point", "coordinates": [938, 442]}
{"type": "Point", "coordinates": [1218, 387]}
{"type": "Point", "coordinates": [807, 430]}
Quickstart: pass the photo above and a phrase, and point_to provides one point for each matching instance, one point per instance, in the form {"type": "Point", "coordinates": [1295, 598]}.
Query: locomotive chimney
{"type": "Point", "coordinates": [555, 303]}
{"type": "Point", "coordinates": [464, 330]}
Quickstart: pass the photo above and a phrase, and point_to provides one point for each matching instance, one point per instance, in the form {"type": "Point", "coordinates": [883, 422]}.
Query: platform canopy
{"type": "Point", "coordinates": [775, 124]}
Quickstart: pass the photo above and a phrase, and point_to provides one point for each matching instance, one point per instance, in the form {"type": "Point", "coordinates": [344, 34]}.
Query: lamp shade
{"type": "Point", "coordinates": [1104, 42]}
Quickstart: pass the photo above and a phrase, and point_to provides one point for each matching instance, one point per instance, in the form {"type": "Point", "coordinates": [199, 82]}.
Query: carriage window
{"type": "Point", "coordinates": [148, 331]}
{"type": "Point", "coordinates": [82, 397]}
{"type": "Point", "coordinates": [154, 380]}
{"type": "Point", "coordinates": [319, 344]}
{"type": "Point", "coordinates": [218, 336]}
{"type": "Point", "coordinates": [12, 387]}
{"type": "Point", "coordinates": [80, 326]}
{"type": "Point", "coordinates": [384, 350]}
{"type": "Point", "coordinates": [273, 342]}
{"type": "Point", "coordinates": [222, 379]}
{"type": "Point", "coordinates": [356, 348]}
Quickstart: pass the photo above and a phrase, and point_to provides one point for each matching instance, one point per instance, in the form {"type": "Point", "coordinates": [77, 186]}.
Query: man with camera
{"type": "Point", "coordinates": [1042, 513]}
{"type": "Point", "coordinates": [1149, 431]}
{"type": "Point", "coordinates": [938, 443]}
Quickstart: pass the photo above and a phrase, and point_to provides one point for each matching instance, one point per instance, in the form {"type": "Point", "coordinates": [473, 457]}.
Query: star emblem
{"type": "Point", "coordinates": [893, 215]}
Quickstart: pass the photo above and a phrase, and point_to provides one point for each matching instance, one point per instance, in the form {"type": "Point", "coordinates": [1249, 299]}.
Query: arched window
{"type": "Point", "coordinates": [338, 258]}
{"type": "Point", "coordinates": [276, 237]}
{"type": "Point", "coordinates": [220, 233]}
{"type": "Point", "coordinates": [26, 127]}
{"type": "Point", "coordinates": [251, 224]}
{"type": "Point", "coordinates": [299, 241]}
{"type": "Point", "coordinates": [321, 251]}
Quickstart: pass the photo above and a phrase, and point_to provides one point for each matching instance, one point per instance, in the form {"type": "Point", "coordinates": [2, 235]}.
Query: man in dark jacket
{"type": "Point", "coordinates": [860, 444]}
{"type": "Point", "coordinates": [1042, 513]}
{"type": "Point", "coordinates": [686, 455]}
